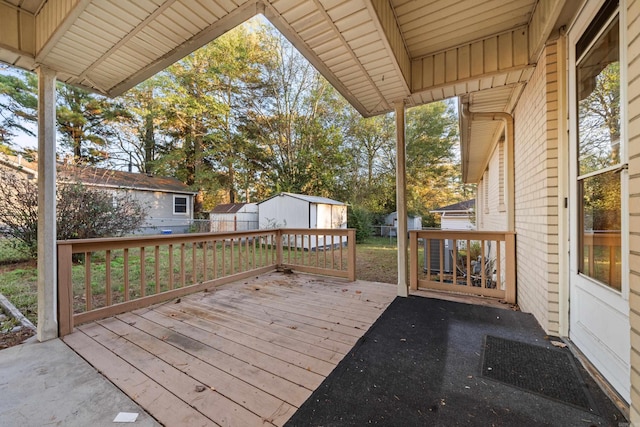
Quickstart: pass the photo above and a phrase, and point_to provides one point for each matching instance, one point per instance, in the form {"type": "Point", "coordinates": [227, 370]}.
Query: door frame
{"type": "Point", "coordinates": [617, 299]}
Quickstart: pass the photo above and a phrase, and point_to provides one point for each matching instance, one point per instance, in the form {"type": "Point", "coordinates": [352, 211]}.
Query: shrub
{"type": "Point", "coordinates": [360, 219]}
{"type": "Point", "coordinates": [81, 212]}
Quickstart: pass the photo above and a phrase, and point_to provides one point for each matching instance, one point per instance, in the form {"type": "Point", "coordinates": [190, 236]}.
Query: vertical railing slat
{"type": "Point", "coordinates": [107, 274]}
{"type": "Point", "coordinates": [183, 271]}
{"type": "Point", "coordinates": [125, 264]}
{"type": "Point", "coordinates": [87, 281]}
{"type": "Point", "coordinates": [156, 269]}
{"type": "Point", "coordinates": [170, 266]}
{"type": "Point", "coordinates": [143, 275]}
{"type": "Point", "coordinates": [194, 265]}
{"type": "Point", "coordinates": [215, 259]}
{"type": "Point", "coordinates": [205, 272]}
{"type": "Point", "coordinates": [413, 261]}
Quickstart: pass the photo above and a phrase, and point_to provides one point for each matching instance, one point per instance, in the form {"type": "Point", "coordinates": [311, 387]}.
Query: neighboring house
{"type": "Point", "coordinates": [234, 217]}
{"type": "Point", "coordinates": [458, 216]}
{"type": "Point", "coordinates": [390, 227]}
{"type": "Point", "coordinates": [288, 210]}
{"type": "Point", "coordinates": [169, 201]}
{"type": "Point", "coordinates": [19, 165]}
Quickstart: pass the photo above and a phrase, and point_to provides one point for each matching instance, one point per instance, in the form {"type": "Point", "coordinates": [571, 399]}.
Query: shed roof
{"type": "Point", "coordinates": [310, 199]}
{"type": "Point", "coordinates": [464, 206]}
{"type": "Point", "coordinates": [123, 180]}
{"type": "Point", "coordinates": [228, 207]}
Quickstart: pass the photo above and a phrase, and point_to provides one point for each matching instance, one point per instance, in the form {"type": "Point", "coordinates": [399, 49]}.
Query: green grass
{"type": "Point", "coordinates": [20, 286]}
{"type": "Point", "coordinates": [377, 260]}
{"type": "Point", "coordinates": [12, 251]}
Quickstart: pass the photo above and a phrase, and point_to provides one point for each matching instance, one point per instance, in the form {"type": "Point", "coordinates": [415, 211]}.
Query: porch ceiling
{"type": "Point", "coordinates": [375, 52]}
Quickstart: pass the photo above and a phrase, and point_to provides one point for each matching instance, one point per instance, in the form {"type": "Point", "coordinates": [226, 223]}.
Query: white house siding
{"type": "Point", "coordinates": [456, 222]}
{"type": "Point", "coordinates": [633, 73]}
{"type": "Point", "coordinates": [160, 215]}
{"type": "Point", "coordinates": [491, 213]}
{"type": "Point", "coordinates": [535, 156]}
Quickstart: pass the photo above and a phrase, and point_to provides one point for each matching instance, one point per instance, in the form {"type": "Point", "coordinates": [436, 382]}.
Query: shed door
{"type": "Point", "coordinates": [599, 307]}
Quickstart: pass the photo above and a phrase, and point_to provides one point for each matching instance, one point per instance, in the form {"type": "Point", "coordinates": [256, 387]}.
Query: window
{"type": "Point", "coordinates": [599, 149]}
{"type": "Point", "coordinates": [180, 206]}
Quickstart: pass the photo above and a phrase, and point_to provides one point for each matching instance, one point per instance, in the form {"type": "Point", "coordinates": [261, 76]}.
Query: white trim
{"type": "Point", "coordinates": [604, 343]}
{"type": "Point", "coordinates": [173, 208]}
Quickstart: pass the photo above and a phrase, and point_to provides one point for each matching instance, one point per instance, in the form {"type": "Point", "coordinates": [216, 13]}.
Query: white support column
{"type": "Point", "coordinates": [401, 202]}
{"type": "Point", "coordinates": [47, 265]}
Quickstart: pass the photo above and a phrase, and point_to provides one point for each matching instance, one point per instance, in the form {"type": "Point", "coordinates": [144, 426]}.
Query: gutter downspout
{"type": "Point", "coordinates": [510, 167]}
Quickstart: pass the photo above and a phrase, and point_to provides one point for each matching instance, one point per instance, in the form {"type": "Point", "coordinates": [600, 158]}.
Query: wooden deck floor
{"type": "Point", "coordinates": [249, 353]}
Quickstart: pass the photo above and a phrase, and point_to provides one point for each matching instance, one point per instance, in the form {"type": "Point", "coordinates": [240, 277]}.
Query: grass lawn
{"type": "Point", "coordinates": [376, 260]}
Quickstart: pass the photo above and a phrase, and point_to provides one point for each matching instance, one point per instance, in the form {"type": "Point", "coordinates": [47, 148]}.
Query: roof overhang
{"type": "Point", "coordinates": [375, 52]}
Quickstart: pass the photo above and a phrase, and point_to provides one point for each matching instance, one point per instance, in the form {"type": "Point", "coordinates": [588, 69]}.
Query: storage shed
{"type": "Point", "coordinates": [289, 210]}
{"type": "Point", "coordinates": [390, 226]}
{"type": "Point", "coordinates": [234, 217]}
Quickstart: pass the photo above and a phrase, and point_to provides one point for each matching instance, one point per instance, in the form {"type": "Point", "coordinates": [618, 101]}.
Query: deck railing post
{"type": "Point", "coordinates": [510, 248]}
{"type": "Point", "coordinates": [351, 253]}
{"type": "Point", "coordinates": [65, 290]}
{"type": "Point", "coordinates": [413, 260]}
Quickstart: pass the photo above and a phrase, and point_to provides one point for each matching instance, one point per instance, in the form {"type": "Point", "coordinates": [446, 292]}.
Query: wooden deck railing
{"type": "Point", "coordinates": [99, 278]}
{"type": "Point", "coordinates": [471, 262]}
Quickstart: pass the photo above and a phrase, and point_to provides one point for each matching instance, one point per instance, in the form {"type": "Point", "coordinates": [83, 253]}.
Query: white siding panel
{"type": "Point", "coordinates": [50, 18]}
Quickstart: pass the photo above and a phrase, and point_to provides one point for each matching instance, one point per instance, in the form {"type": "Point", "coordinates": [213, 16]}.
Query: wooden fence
{"type": "Point", "coordinates": [471, 262]}
{"type": "Point", "coordinates": [98, 278]}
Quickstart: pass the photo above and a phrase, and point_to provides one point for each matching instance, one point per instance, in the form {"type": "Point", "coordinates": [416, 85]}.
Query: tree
{"type": "Point", "coordinates": [433, 171]}
{"type": "Point", "coordinates": [294, 122]}
{"type": "Point", "coordinates": [18, 103]}
{"type": "Point", "coordinates": [137, 134]}
{"type": "Point", "coordinates": [82, 212]}
{"type": "Point", "coordinates": [370, 143]}
{"type": "Point", "coordinates": [84, 121]}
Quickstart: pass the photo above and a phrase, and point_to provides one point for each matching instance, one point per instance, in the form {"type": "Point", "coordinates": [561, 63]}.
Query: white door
{"type": "Point", "coordinates": [599, 307]}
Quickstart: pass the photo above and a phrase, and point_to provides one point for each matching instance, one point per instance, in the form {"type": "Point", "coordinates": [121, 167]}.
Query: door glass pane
{"type": "Point", "coordinates": [598, 75]}
{"type": "Point", "coordinates": [598, 80]}
{"type": "Point", "coordinates": [601, 224]}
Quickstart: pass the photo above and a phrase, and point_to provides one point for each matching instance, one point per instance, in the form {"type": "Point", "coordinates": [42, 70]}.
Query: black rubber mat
{"type": "Point", "coordinates": [420, 365]}
{"type": "Point", "coordinates": [546, 371]}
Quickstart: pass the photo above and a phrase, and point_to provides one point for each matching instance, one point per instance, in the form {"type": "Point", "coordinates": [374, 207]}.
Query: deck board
{"type": "Point", "coordinates": [247, 353]}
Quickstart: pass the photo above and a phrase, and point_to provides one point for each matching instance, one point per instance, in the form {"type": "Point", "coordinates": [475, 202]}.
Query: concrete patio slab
{"type": "Point", "coordinates": [48, 384]}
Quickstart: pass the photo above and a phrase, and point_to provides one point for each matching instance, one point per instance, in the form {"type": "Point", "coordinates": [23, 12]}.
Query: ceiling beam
{"type": "Point", "coordinates": [52, 23]}
{"type": "Point", "coordinates": [542, 23]}
{"type": "Point", "coordinates": [387, 26]}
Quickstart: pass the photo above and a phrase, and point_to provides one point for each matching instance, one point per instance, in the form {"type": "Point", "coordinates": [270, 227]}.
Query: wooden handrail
{"type": "Point", "coordinates": [123, 274]}
{"type": "Point", "coordinates": [494, 276]}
